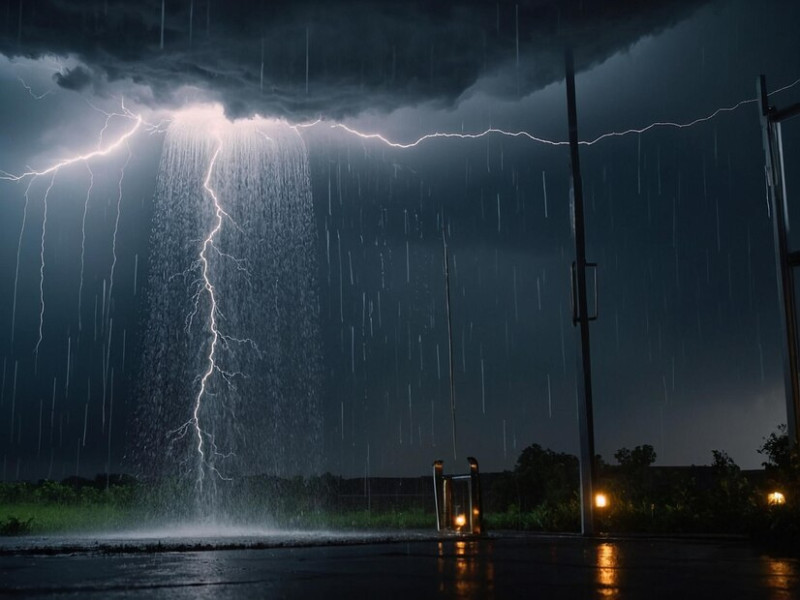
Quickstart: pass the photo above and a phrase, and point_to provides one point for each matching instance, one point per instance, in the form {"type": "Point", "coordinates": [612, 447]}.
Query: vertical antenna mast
{"type": "Point", "coordinates": [449, 335]}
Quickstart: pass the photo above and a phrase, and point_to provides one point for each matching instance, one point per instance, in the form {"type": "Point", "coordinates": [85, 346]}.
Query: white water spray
{"type": "Point", "coordinates": [233, 262]}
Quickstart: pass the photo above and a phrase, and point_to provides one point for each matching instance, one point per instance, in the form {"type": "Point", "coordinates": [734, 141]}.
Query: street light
{"type": "Point", "coordinates": [776, 498]}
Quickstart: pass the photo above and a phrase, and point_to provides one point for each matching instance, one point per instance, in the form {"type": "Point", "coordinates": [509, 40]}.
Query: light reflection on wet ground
{"type": "Point", "coordinates": [465, 569]}
{"type": "Point", "coordinates": [781, 577]}
{"type": "Point", "coordinates": [607, 567]}
{"type": "Point", "coordinates": [411, 565]}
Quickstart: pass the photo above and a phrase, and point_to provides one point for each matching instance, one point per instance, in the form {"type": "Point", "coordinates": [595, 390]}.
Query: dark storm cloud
{"type": "Point", "coordinates": [380, 55]}
{"type": "Point", "coordinates": [73, 79]}
{"type": "Point", "coordinates": [418, 52]}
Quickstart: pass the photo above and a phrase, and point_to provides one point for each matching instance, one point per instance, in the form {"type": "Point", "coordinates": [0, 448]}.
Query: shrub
{"type": "Point", "coordinates": [15, 526]}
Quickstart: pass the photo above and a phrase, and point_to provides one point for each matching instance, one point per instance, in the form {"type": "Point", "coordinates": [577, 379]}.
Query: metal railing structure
{"type": "Point", "coordinates": [458, 500]}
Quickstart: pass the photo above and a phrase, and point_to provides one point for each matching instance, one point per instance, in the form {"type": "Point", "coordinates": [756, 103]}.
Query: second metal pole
{"type": "Point", "coordinates": [580, 313]}
{"type": "Point", "coordinates": [785, 260]}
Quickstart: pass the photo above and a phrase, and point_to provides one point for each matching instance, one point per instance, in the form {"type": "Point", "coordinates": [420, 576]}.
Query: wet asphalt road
{"type": "Point", "coordinates": [514, 566]}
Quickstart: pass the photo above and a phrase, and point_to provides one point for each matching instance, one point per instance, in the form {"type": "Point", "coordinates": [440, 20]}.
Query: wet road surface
{"type": "Point", "coordinates": [512, 566]}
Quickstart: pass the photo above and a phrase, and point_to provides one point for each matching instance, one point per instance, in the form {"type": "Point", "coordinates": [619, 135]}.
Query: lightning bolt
{"type": "Point", "coordinates": [41, 273]}
{"type": "Point", "coordinates": [30, 91]}
{"type": "Point", "coordinates": [19, 249]}
{"type": "Point", "coordinates": [116, 229]}
{"type": "Point", "coordinates": [217, 337]}
{"type": "Point", "coordinates": [83, 243]}
{"type": "Point", "coordinates": [213, 311]}
{"type": "Point", "coordinates": [203, 442]}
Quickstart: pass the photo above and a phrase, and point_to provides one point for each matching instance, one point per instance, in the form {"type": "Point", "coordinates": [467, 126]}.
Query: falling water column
{"type": "Point", "coordinates": [579, 311]}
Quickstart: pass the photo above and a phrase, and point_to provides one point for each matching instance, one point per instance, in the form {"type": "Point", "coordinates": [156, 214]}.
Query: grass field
{"type": "Point", "coordinates": [37, 518]}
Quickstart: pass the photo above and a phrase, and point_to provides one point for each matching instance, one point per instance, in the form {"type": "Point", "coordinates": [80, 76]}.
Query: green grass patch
{"type": "Point", "coordinates": [364, 520]}
{"type": "Point", "coordinates": [39, 518]}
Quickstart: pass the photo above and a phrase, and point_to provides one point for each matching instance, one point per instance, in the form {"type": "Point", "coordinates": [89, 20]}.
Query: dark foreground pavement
{"type": "Point", "coordinates": [514, 566]}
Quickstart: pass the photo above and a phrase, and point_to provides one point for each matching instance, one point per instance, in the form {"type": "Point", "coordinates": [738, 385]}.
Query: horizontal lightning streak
{"type": "Point", "coordinates": [441, 134]}
{"type": "Point", "coordinates": [668, 124]}
{"type": "Point", "coordinates": [81, 157]}
{"type": "Point", "coordinates": [524, 134]}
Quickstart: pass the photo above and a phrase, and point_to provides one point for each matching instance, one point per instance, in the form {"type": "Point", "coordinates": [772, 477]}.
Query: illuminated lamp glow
{"type": "Point", "coordinates": [776, 498]}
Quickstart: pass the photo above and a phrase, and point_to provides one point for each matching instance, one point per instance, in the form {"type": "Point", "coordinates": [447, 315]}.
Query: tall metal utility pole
{"type": "Point", "coordinates": [785, 260]}
{"type": "Point", "coordinates": [580, 314]}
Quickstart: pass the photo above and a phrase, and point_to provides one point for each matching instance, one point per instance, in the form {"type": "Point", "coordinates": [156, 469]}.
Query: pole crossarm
{"type": "Point", "coordinates": [784, 114]}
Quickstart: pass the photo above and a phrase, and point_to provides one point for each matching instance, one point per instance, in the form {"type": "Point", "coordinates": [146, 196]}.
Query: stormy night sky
{"type": "Point", "coordinates": [686, 352]}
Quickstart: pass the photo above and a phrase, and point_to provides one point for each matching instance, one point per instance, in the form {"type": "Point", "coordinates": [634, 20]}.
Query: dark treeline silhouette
{"type": "Point", "coordinates": [540, 493]}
